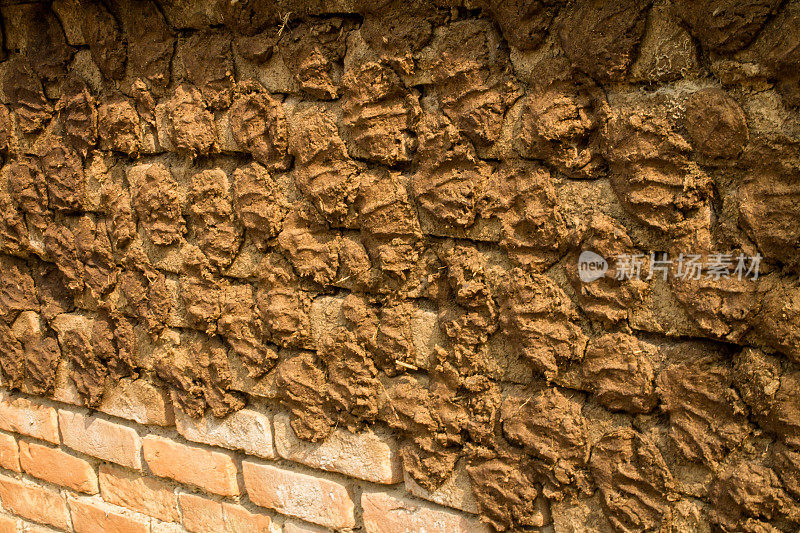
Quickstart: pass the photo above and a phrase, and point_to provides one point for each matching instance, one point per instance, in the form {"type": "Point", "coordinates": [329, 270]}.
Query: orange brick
{"type": "Point", "coordinates": [9, 452]}
{"type": "Point", "coordinates": [146, 495]}
{"type": "Point", "coordinates": [57, 466]}
{"type": "Point", "coordinates": [314, 499]}
{"type": "Point", "coordinates": [237, 519]}
{"type": "Point", "coordinates": [8, 524]}
{"type": "Point", "coordinates": [297, 527]}
{"type": "Point", "coordinates": [34, 502]}
{"type": "Point", "coordinates": [99, 517]}
{"type": "Point", "coordinates": [385, 513]}
{"type": "Point", "coordinates": [29, 417]}
{"type": "Point", "coordinates": [100, 438]}
{"type": "Point", "coordinates": [214, 471]}
{"type": "Point", "coordinates": [366, 455]}
{"type": "Point", "coordinates": [202, 515]}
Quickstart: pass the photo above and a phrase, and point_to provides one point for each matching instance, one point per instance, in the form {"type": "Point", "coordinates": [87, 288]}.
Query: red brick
{"type": "Point", "coordinates": [57, 466]}
{"type": "Point", "coordinates": [9, 452]}
{"type": "Point", "coordinates": [202, 515]}
{"type": "Point", "coordinates": [34, 502]}
{"type": "Point", "coordinates": [100, 438]}
{"type": "Point", "coordinates": [214, 471]}
{"type": "Point", "coordinates": [385, 513]}
{"type": "Point", "coordinates": [238, 519]}
{"type": "Point", "coordinates": [314, 499]}
{"type": "Point", "coordinates": [29, 417]}
{"type": "Point", "coordinates": [8, 524]}
{"type": "Point", "coordinates": [133, 491]}
{"type": "Point", "coordinates": [99, 517]}
{"type": "Point", "coordinates": [365, 455]}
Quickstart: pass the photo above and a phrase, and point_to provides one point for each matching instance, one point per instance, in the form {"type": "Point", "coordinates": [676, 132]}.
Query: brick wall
{"type": "Point", "coordinates": [322, 264]}
{"type": "Point", "coordinates": [65, 468]}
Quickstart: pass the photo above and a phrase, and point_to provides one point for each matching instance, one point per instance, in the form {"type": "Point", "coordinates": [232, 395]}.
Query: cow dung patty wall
{"type": "Point", "coordinates": [373, 214]}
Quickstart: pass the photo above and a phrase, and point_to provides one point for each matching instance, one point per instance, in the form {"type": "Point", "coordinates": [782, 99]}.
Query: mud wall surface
{"type": "Point", "coordinates": [268, 265]}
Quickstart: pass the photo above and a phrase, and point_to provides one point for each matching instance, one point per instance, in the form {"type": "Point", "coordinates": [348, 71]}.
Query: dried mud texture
{"type": "Point", "coordinates": [650, 166]}
{"type": "Point", "coordinates": [549, 426]}
{"type": "Point", "coordinates": [539, 319]}
{"type": "Point", "coordinates": [472, 78]}
{"type": "Point", "coordinates": [559, 124]}
{"type": "Point", "coordinates": [259, 126]}
{"type": "Point", "coordinates": [634, 480]}
{"type": "Point", "coordinates": [380, 114]}
{"type": "Point", "coordinates": [731, 26]}
{"type": "Point", "coordinates": [610, 299]}
{"type": "Point", "coordinates": [373, 213]}
{"type": "Point", "coordinates": [601, 38]}
{"type": "Point", "coordinates": [619, 369]}
{"type": "Point", "coordinates": [707, 417]}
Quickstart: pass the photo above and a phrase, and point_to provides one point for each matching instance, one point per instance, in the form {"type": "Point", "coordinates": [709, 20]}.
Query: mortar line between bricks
{"type": "Point", "coordinates": [358, 511]}
{"type": "Point", "coordinates": [94, 461]}
{"type": "Point", "coordinates": [33, 482]}
{"type": "Point", "coordinates": [69, 509]}
{"type": "Point", "coordinates": [29, 521]}
{"type": "Point", "coordinates": [172, 433]}
{"type": "Point", "coordinates": [358, 486]}
{"type": "Point", "coordinates": [97, 500]}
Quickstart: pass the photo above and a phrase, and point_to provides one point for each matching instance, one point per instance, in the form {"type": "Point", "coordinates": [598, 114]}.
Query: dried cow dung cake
{"type": "Point", "coordinates": [533, 264]}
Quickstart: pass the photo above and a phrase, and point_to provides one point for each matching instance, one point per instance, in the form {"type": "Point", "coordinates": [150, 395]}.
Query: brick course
{"type": "Point", "coordinates": [151, 483]}
{"type": "Point", "coordinates": [33, 502]}
{"type": "Point", "coordinates": [9, 452]}
{"type": "Point", "coordinates": [365, 456]}
{"type": "Point", "coordinates": [28, 417]}
{"type": "Point", "coordinates": [387, 513]}
{"type": "Point", "coordinates": [247, 430]}
{"type": "Point", "coordinates": [315, 499]}
{"type": "Point", "coordinates": [237, 519]}
{"type": "Point", "coordinates": [57, 466]}
{"type": "Point", "coordinates": [100, 438]}
{"type": "Point", "coordinates": [134, 491]}
{"type": "Point", "coordinates": [99, 517]}
{"type": "Point", "coordinates": [214, 471]}
{"type": "Point", "coordinates": [203, 515]}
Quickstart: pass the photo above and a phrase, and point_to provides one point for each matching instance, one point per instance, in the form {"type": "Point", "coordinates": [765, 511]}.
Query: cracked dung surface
{"type": "Point", "coordinates": [372, 214]}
